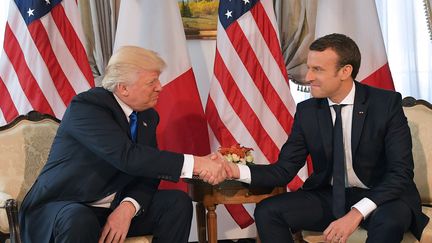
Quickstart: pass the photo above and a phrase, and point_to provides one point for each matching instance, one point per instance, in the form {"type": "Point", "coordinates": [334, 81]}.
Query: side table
{"type": "Point", "coordinates": [227, 192]}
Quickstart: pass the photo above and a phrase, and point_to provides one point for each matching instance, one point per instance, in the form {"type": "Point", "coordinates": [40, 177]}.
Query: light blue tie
{"type": "Point", "coordinates": [133, 125]}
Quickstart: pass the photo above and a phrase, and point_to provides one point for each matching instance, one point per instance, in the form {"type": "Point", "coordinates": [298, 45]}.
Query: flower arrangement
{"type": "Point", "coordinates": [237, 154]}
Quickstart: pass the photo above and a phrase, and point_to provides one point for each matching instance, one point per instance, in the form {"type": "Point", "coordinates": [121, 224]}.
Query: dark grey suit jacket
{"type": "Point", "coordinates": [92, 156]}
{"type": "Point", "coordinates": [381, 149]}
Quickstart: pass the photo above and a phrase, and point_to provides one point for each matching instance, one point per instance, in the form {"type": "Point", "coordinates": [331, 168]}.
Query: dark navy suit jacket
{"type": "Point", "coordinates": [381, 149]}
{"type": "Point", "coordinates": [92, 156]}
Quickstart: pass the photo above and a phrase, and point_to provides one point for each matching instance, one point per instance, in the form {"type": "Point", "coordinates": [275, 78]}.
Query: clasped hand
{"type": "Point", "coordinates": [213, 168]}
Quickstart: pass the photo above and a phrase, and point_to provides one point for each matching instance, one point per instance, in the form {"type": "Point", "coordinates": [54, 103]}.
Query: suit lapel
{"type": "Point", "coordinates": [145, 127]}
{"type": "Point", "coordinates": [325, 127]}
{"type": "Point", "coordinates": [119, 114]}
{"type": "Point", "coordinates": [142, 128]}
{"type": "Point", "coordinates": [359, 115]}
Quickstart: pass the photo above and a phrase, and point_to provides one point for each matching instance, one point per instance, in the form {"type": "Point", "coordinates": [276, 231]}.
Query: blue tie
{"type": "Point", "coordinates": [338, 165]}
{"type": "Point", "coordinates": [133, 124]}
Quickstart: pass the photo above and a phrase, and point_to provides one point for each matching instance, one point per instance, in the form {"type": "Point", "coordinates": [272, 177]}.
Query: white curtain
{"type": "Point", "coordinates": [296, 24]}
{"type": "Point", "coordinates": [409, 48]}
{"type": "Point", "coordinates": [99, 18]}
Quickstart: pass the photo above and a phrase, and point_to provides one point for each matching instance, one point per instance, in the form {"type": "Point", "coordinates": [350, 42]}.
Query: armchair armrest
{"type": "Point", "coordinates": [4, 223]}
{"type": "Point", "coordinates": [12, 214]}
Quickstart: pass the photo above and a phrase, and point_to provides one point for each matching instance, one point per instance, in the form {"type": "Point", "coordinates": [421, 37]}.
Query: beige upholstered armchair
{"type": "Point", "coordinates": [24, 147]}
{"type": "Point", "coordinates": [419, 114]}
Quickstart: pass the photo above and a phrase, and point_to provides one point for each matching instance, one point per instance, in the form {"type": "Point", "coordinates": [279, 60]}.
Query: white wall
{"type": "Point", "coordinates": [202, 54]}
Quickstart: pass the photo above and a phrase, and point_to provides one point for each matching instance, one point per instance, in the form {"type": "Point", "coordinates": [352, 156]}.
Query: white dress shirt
{"type": "Point", "coordinates": [187, 169]}
{"type": "Point", "coordinates": [365, 206]}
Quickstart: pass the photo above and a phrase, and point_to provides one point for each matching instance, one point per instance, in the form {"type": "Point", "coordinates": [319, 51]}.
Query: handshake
{"type": "Point", "coordinates": [214, 168]}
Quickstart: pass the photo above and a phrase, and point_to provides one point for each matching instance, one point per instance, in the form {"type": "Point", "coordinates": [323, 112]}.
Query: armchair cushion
{"type": "Point", "coordinates": [139, 239]}
{"type": "Point", "coordinates": [427, 232]}
{"type": "Point", "coordinates": [4, 225]}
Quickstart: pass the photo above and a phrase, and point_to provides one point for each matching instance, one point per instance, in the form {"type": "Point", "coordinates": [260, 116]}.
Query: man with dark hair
{"type": "Point", "coordinates": [360, 144]}
{"type": "Point", "coordinates": [345, 48]}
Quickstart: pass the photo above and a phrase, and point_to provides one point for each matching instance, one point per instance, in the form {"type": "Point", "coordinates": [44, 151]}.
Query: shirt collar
{"type": "Point", "coordinates": [126, 109]}
{"type": "Point", "coordinates": [348, 100]}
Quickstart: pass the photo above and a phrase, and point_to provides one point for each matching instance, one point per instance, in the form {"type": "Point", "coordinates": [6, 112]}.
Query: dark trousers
{"type": "Point", "coordinates": [276, 217]}
{"type": "Point", "coordinates": [168, 219]}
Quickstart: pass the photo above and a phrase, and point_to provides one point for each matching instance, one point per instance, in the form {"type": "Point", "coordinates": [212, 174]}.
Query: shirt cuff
{"type": "Point", "coordinates": [188, 165]}
{"type": "Point", "coordinates": [365, 207]}
{"type": "Point", "coordinates": [245, 174]}
{"type": "Point", "coordinates": [134, 202]}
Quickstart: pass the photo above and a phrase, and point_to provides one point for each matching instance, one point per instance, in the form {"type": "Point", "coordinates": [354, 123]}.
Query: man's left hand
{"type": "Point", "coordinates": [340, 229]}
{"type": "Point", "coordinates": [117, 224]}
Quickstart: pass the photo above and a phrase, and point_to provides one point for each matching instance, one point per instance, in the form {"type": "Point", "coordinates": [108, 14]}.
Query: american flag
{"type": "Point", "coordinates": [43, 61]}
{"type": "Point", "coordinates": [250, 100]}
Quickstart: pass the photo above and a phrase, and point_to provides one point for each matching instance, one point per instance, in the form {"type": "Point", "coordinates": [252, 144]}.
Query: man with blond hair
{"type": "Point", "coordinates": [100, 182]}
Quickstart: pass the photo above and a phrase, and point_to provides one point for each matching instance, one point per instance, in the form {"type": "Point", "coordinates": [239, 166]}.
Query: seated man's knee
{"type": "Point", "coordinates": [183, 200]}
{"type": "Point", "coordinates": [388, 224]}
{"type": "Point", "coordinates": [385, 218]}
{"type": "Point", "coordinates": [180, 201]}
{"type": "Point", "coordinates": [74, 220]}
{"type": "Point", "coordinates": [263, 210]}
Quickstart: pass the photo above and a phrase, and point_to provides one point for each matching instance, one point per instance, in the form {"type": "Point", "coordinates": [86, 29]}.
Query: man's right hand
{"type": "Point", "coordinates": [232, 170]}
{"type": "Point", "coordinates": [210, 168]}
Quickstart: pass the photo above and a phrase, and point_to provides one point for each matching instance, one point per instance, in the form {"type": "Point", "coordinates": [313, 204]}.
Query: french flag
{"type": "Point", "coordinates": [157, 25]}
